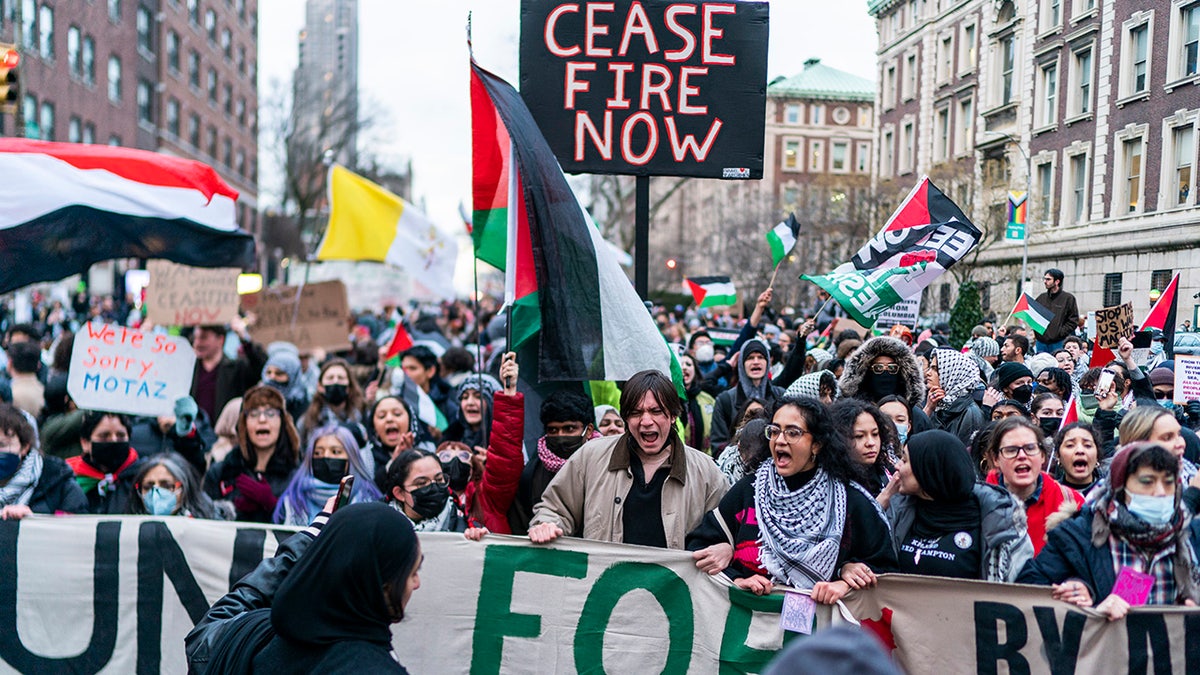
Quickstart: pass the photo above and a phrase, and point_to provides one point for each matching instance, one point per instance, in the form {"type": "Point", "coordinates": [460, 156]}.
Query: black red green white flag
{"type": "Point", "coordinates": [1162, 315]}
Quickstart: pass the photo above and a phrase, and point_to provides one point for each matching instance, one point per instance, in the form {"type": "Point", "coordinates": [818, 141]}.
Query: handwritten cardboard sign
{"type": "Point", "coordinates": [1112, 324]}
{"type": "Point", "coordinates": [1187, 378]}
{"type": "Point", "coordinates": [314, 316]}
{"type": "Point", "coordinates": [126, 370]}
{"type": "Point", "coordinates": [179, 295]}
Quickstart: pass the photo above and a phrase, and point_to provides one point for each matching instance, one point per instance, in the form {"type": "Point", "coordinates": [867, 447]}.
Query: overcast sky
{"type": "Point", "coordinates": [413, 65]}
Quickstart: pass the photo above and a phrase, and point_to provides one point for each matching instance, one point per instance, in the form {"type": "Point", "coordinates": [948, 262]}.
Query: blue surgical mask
{"type": "Point", "coordinates": [159, 501]}
{"type": "Point", "coordinates": [1156, 511]}
{"type": "Point", "coordinates": [902, 431]}
{"type": "Point", "coordinates": [9, 463]}
{"type": "Point", "coordinates": [1156, 347]}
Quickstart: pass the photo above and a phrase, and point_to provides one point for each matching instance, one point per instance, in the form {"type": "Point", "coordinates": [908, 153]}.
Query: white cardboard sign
{"type": "Point", "coordinates": [126, 370]}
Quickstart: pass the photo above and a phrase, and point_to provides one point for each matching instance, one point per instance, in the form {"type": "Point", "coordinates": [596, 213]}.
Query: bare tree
{"type": "Point", "coordinates": [614, 204]}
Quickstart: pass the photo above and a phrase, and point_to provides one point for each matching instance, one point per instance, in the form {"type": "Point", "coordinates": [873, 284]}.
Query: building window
{"type": "Point", "coordinates": [29, 109]}
{"type": "Point", "coordinates": [227, 152]}
{"type": "Point", "coordinates": [211, 143]}
{"type": "Point", "coordinates": [816, 156]}
{"type": "Point", "coordinates": [228, 89]}
{"type": "Point", "coordinates": [114, 140]}
{"type": "Point", "coordinates": [89, 133]}
{"type": "Point", "coordinates": [791, 155]}
{"type": "Point", "coordinates": [1081, 72]}
{"type": "Point", "coordinates": [863, 157]}
{"type": "Point", "coordinates": [173, 117]}
{"type": "Point", "coordinates": [816, 114]}
{"type": "Point", "coordinates": [114, 79]}
{"type": "Point", "coordinates": [910, 76]}
{"type": "Point", "coordinates": [1131, 157]}
{"type": "Point", "coordinates": [46, 122]}
{"type": "Point", "coordinates": [1191, 41]}
{"type": "Point", "coordinates": [1183, 58]}
{"type": "Point", "coordinates": [945, 65]}
{"type": "Point", "coordinates": [145, 101]}
{"type": "Point", "coordinates": [89, 60]}
{"type": "Point", "coordinates": [1081, 7]}
{"type": "Point", "coordinates": [194, 69]}
{"type": "Point", "coordinates": [941, 134]}
{"type": "Point", "coordinates": [114, 11]}
{"type": "Point", "coordinates": [212, 85]}
{"type": "Point", "coordinates": [841, 115]}
{"type": "Point", "coordinates": [967, 51]}
{"type": "Point", "coordinates": [887, 155]}
{"type": "Point", "coordinates": [173, 51]}
{"type": "Point", "coordinates": [889, 87]}
{"type": "Point", "coordinates": [74, 130]}
{"type": "Point", "coordinates": [1160, 278]}
{"type": "Point", "coordinates": [145, 30]}
{"type": "Point", "coordinates": [46, 32]}
{"type": "Point", "coordinates": [1051, 14]}
{"type": "Point", "coordinates": [1006, 60]}
{"type": "Point", "coordinates": [240, 167]}
{"type": "Point", "coordinates": [1112, 289]}
{"type": "Point", "coordinates": [1183, 149]}
{"type": "Point", "coordinates": [193, 10]}
{"type": "Point", "coordinates": [907, 146]}
{"type": "Point", "coordinates": [837, 155]}
{"type": "Point", "coordinates": [227, 43]}
{"type": "Point", "coordinates": [74, 57]}
{"type": "Point", "coordinates": [1078, 181]}
{"type": "Point", "coordinates": [791, 114]}
{"type": "Point", "coordinates": [1047, 113]}
{"type": "Point", "coordinates": [790, 195]}
{"type": "Point", "coordinates": [1045, 186]}
{"type": "Point", "coordinates": [194, 130]}
{"type": "Point", "coordinates": [29, 27]}
{"type": "Point", "coordinates": [1137, 59]}
{"type": "Point", "coordinates": [241, 60]}
{"type": "Point", "coordinates": [964, 136]}
{"type": "Point", "coordinates": [864, 117]}
{"type": "Point", "coordinates": [210, 25]}
{"type": "Point", "coordinates": [240, 112]}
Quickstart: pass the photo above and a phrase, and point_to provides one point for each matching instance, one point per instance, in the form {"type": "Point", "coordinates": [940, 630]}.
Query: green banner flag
{"type": "Point", "coordinates": [865, 294]}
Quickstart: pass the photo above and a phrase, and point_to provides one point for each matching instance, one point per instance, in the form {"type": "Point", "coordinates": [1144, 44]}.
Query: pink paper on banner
{"type": "Point", "coordinates": [798, 613]}
{"type": "Point", "coordinates": [1133, 586]}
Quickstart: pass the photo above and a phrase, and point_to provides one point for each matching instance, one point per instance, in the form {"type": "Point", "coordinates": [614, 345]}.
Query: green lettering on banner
{"type": "Point", "coordinates": [494, 618]}
{"type": "Point", "coordinates": [667, 588]}
{"type": "Point", "coordinates": [736, 655]}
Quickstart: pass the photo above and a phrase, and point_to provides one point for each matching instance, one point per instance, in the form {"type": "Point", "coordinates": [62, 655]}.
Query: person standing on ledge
{"type": "Point", "coordinates": [1066, 313]}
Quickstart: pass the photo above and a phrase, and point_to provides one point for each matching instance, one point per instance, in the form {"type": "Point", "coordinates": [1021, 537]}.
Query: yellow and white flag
{"type": "Point", "coordinates": [367, 222]}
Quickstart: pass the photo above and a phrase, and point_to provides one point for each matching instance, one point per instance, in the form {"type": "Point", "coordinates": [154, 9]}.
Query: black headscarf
{"type": "Point", "coordinates": [335, 592]}
{"type": "Point", "coordinates": [943, 469]}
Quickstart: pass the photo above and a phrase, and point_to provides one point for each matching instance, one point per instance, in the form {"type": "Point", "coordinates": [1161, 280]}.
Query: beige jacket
{"type": "Point", "coordinates": [586, 495]}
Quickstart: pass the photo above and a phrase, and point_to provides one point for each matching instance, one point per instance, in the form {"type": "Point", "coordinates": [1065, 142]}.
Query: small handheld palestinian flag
{"type": "Point", "coordinates": [1037, 316]}
{"type": "Point", "coordinates": [1070, 413]}
{"type": "Point", "coordinates": [712, 291]}
{"type": "Point", "coordinates": [401, 342]}
{"type": "Point", "coordinates": [782, 239]}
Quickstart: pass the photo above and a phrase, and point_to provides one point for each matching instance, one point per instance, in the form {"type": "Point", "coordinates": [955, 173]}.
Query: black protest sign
{"type": "Point", "coordinates": [1112, 324]}
{"type": "Point", "coordinates": [651, 87]}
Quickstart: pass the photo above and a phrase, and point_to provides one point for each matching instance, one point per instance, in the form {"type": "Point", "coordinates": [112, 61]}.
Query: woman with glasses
{"type": "Point", "coordinates": [801, 519]}
{"type": "Point", "coordinates": [256, 472]}
{"type": "Point", "coordinates": [331, 455]}
{"type": "Point", "coordinates": [1017, 452]}
{"type": "Point", "coordinates": [416, 487]}
{"type": "Point", "coordinates": [167, 485]}
{"type": "Point", "coordinates": [32, 482]}
{"type": "Point", "coordinates": [884, 366]}
{"type": "Point", "coordinates": [947, 524]}
{"type": "Point", "coordinates": [1136, 528]}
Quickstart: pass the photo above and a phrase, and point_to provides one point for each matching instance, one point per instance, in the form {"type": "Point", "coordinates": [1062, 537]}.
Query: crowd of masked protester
{"type": "Point", "coordinates": [798, 454]}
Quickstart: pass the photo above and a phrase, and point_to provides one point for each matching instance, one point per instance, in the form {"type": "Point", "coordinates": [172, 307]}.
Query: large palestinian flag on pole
{"type": "Point", "coordinates": [1162, 315]}
{"type": "Point", "coordinates": [924, 237]}
{"type": "Point", "coordinates": [593, 325]}
{"type": "Point", "coordinates": [69, 205]}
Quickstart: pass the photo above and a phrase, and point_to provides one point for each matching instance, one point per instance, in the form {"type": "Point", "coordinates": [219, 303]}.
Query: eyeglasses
{"type": "Point", "coordinates": [269, 413]}
{"type": "Point", "coordinates": [169, 485]}
{"type": "Point", "coordinates": [1160, 395]}
{"type": "Point", "coordinates": [1011, 451]}
{"type": "Point", "coordinates": [881, 368]}
{"type": "Point", "coordinates": [448, 455]}
{"type": "Point", "coordinates": [423, 481]}
{"type": "Point", "coordinates": [790, 434]}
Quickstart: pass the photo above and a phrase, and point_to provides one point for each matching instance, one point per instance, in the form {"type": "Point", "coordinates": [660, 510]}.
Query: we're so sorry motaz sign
{"type": "Point", "coordinates": [126, 370]}
{"type": "Point", "coordinates": [650, 87]}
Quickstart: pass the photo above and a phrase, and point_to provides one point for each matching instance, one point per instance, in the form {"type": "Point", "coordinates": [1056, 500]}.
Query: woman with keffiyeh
{"type": "Point", "coordinates": [106, 469]}
{"type": "Point", "coordinates": [801, 519]}
{"type": "Point", "coordinates": [950, 379]}
{"type": "Point", "coordinates": [31, 482]}
{"type": "Point", "coordinates": [1136, 529]}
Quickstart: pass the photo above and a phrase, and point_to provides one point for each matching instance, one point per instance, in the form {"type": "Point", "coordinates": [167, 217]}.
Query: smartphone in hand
{"type": "Point", "coordinates": [1104, 383]}
{"type": "Point", "coordinates": [343, 493]}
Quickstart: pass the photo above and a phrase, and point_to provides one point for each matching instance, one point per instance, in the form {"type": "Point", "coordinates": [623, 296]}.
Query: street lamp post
{"type": "Point", "coordinates": [1028, 196]}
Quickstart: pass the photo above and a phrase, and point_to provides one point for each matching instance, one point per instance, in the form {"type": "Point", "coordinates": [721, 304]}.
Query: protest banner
{"type": "Point", "coordinates": [1112, 324]}
{"type": "Point", "coordinates": [321, 321]}
{"type": "Point", "coordinates": [179, 295]}
{"type": "Point", "coordinates": [1187, 378]}
{"type": "Point", "coordinates": [904, 313]}
{"type": "Point", "coordinates": [127, 370]}
{"type": "Point", "coordinates": [121, 593]}
{"type": "Point", "coordinates": [651, 88]}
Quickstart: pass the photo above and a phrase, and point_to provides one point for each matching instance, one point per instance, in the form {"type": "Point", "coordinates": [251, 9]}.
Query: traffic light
{"type": "Point", "coordinates": [10, 94]}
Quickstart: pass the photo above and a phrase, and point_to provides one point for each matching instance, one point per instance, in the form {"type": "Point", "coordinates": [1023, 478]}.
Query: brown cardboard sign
{"type": "Point", "coordinates": [180, 295]}
{"type": "Point", "coordinates": [1112, 324]}
{"type": "Point", "coordinates": [314, 316]}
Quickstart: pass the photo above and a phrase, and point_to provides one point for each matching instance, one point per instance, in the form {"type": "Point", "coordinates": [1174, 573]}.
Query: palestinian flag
{"type": "Point", "coordinates": [712, 291]}
{"type": "Point", "coordinates": [491, 157]}
{"type": "Point", "coordinates": [782, 239]}
{"type": "Point", "coordinates": [1032, 313]}
{"type": "Point", "coordinates": [591, 323]}
{"type": "Point", "coordinates": [427, 410]}
{"type": "Point", "coordinates": [847, 288]}
{"type": "Point", "coordinates": [401, 342]}
{"type": "Point", "coordinates": [69, 205]}
{"type": "Point", "coordinates": [1070, 412]}
{"type": "Point", "coordinates": [1162, 315]}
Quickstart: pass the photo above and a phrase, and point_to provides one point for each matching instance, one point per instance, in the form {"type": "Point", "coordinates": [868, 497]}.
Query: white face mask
{"type": "Point", "coordinates": [705, 353]}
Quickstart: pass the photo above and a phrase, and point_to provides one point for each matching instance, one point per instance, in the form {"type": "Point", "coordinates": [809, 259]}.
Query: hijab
{"type": "Point", "coordinates": [335, 591]}
{"type": "Point", "coordinates": [957, 374]}
{"type": "Point", "coordinates": [943, 469]}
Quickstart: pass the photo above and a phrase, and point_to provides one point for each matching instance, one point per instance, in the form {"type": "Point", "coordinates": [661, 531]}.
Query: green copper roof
{"type": "Point", "coordinates": [821, 81]}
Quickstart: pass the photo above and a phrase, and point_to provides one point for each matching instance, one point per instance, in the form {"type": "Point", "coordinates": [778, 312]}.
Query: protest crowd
{"type": "Point", "coordinates": [800, 455]}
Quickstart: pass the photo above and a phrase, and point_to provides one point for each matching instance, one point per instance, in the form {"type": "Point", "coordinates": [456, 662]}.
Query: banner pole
{"type": "Point", "coordinates": [771, 283]}
{"type": "Point", "coordinates": [641, 237]}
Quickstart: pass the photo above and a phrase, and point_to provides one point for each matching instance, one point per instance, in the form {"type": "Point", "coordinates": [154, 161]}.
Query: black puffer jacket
{"type": "Point", "coordinates": [910, 384]}
{"type": "Point", "coordinates": [56, 491]}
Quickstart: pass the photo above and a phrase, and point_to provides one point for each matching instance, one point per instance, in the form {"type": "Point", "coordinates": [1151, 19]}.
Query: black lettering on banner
{"type": "Point", "coordinates": [247, 553]}
{"type": "Point", "coordinates": [1191, 643]}
{"type": "Point", "coordinates": [106, 584]}
{"type": "Point", "coordinates": [159, 554]}
{"type": "Point", "coordinates": [1062, 650]}
{"type": "Point", "coordinates": [989, 651]}
{"type": "Point", "coordinates": [1148, 634]}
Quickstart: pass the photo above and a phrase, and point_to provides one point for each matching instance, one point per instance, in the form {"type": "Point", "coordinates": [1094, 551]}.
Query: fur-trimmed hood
{"type": "Point", "coordinates": [911, 378]}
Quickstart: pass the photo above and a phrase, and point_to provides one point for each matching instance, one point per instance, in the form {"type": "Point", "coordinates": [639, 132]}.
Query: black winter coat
{"type": "Point", "coordinates": [57, 490]}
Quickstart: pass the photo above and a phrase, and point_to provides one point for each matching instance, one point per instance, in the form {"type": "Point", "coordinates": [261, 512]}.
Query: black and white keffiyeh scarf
{"type": "Point", "coordinates": [19, 488]}
{"type": "Point", "coordinates": [800, 531]}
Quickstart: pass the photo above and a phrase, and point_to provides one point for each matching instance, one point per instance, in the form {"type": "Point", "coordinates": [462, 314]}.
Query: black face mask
{"type": "Point", "coordinates": [564, 446]}
{"type": "Point", "coordinates": [336, 394]}
{"type": "Point", "coordinates": [1049, 425]}
{"type": "Point", "coordinates": [108, 456]}
{"type": "Point", "coordinates": [1023, 393]}
{"type": "Point", "coordinates": [280, 387]}
{"type": "Point", "coordinates": [329, 469]}
{"type": "Point", "coordinates": [457, 473]}
{"type": "Point", "coordinates": [429, 501]}
{"type": "Point", "coordinates": [882, 384]}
